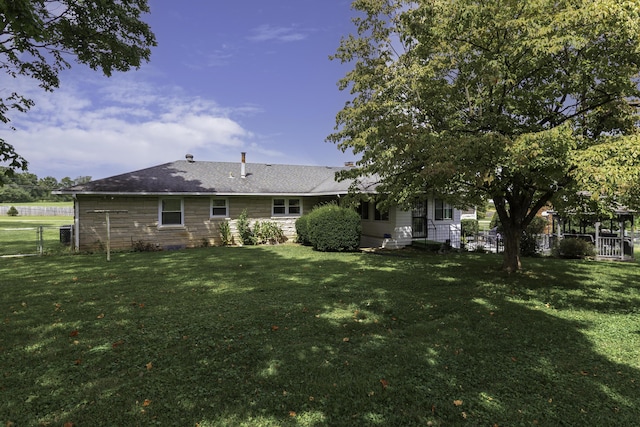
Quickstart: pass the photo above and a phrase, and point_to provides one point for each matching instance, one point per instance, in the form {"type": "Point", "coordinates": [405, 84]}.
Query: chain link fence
{"type": "Point", "coordinates": [36, 240]}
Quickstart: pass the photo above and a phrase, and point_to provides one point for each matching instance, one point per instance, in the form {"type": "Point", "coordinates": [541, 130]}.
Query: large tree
{"type": "Point", "coordinates": [524, 102]}
{"type": "Point", "coordinates": [38, 38]}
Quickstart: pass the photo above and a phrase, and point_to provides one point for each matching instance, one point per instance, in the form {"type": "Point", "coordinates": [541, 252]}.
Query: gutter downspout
{"type": "Point", "coordinates": [76, 223]}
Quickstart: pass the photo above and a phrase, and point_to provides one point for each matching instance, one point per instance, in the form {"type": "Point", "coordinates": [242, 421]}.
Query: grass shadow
{"type": "Point", "coordinates": [289, 336]}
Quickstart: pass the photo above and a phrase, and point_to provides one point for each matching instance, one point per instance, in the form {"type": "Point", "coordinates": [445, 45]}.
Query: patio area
{"type": "Point", "coordinates": [613, 237]}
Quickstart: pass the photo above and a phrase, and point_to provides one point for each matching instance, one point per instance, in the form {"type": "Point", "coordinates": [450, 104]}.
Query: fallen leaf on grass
{"type": "Point", "coordinates": [149, 366]}
{"type": "Point", "coordinates": [146, 402]}
{"type": "Point", "coordinates": [74, 333]}
{"type": "Point", "coordinates": [384, 383]}
{"type": "Point", "coordinates": [117, 344]}
{"type": "Point", "coordinates": [275, 328]}
{"type": "Point", "coordinates": [69, 424]}
{"type": "Point", "coordinates": [458, 402]}
{"type": "Point", "coordinates": [100, 316]}
{"type": "Point", "coordinates": [292, 414]}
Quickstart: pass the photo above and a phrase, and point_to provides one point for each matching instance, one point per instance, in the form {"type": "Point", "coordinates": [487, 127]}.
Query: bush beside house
{"type": "Point", "coordinates": [470, 227]}
{"type": "Point", "coordinates": [334, 228]}
{"type": "Point", "coordinates": [302, 230]}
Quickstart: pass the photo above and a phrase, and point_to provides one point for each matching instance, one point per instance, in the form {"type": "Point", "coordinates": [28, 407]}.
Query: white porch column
{"type": "Point", "coordinates": [621, 228]}
{"type": "Point", "coordinates": [598, 245]}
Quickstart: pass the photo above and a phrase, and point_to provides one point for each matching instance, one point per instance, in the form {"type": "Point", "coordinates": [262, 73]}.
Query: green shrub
{"type": "Point", "coordinates": [244, 229]}
{"type": "Point", "coordinates": [529, 241]}
{"type": "Point", "coordinates": [225, 233]}
{"type": "Point", "coordinates": [268, 232]}
{"type": "Point", "coordinates": [142, 246]}
{"type": "Point", "coordinates": [302, 229]}
{"type": "Point", "coordinates": [12, 211]}
{"type": "Point", "coordinates": [334, 228]}
{"type": "Point", "coordinates": [573, 248]}
{"type": "Point", "coordinates": [470, 227]}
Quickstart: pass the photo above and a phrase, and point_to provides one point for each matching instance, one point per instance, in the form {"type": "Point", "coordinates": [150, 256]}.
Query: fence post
{"type": "Point", "coordinates": [40, 240]}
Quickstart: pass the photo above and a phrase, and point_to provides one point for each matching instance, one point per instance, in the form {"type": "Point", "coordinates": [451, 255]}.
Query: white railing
{"type": "Point", "coordinates": [610, 247]}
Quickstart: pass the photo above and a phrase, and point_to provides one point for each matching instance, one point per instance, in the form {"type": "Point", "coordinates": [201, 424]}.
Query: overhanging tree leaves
{"type": "Point", "coordinates": [508, 100]}
{"type": "Point", "coordinates": [38, 38]}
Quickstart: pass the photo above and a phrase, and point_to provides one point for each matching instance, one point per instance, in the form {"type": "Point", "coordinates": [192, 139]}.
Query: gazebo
{"type": "Point", "coordinates": [613, 237]}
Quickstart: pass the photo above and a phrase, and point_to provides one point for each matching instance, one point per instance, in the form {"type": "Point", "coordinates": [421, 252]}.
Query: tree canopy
{"type": "Point", "coordinates": [27, 187]}
{"type": "Point", "coordinates": [526, 103]}
{"type": "Point", "coordinates": [38, 38]}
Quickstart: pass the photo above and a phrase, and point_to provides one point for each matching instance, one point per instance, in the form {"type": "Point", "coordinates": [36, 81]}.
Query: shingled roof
{"type": "Point", "coordinates": [187, 177]}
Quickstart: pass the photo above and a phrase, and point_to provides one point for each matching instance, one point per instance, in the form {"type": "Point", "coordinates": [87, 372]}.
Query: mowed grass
{"type": "Point", "coordinates": [20, 234]}
{"type": "Point", "coordinates": [283, 335]}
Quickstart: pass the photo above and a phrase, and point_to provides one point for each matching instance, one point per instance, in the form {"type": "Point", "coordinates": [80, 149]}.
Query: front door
{"type": "Point", "coordinates": [419, 220]}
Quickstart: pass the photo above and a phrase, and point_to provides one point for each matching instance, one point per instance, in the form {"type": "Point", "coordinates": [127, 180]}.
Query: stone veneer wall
{"type": "Point", "coordinates": [140, 222]}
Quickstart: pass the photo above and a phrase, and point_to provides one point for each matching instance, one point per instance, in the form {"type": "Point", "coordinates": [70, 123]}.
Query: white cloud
{"type": "Point", "coordinates": [120, 126]}
{"type": "Point", "coordinates": [282, 34]}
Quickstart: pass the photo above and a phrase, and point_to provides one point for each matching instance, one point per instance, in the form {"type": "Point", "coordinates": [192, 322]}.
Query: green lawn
{"type": "Point", "coordinates": [20, 235]}
{"type": "Point", "coordinates": [283, 335]}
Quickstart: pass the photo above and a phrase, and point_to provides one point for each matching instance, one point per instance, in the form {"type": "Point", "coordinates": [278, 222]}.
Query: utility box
{"type": "Point", "coordinates": [65, 234]}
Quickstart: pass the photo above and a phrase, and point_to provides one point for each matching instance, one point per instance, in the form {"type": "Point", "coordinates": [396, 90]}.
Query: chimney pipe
{"type": "Point", "coordinates": [189, 158]}
{"type": "Point", "coordinates": [243, 172]}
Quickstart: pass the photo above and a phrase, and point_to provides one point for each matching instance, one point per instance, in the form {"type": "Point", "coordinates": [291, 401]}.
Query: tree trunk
{"type": "Point", "coordinates": [511, 220]}
{"type": "Point", "coordinates": [511, 256]}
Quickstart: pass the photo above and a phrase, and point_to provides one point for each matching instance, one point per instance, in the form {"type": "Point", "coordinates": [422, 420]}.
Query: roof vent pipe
{"type": "Point", "coordinates": [243, 172]}
{"type": "Point", "coordinates": [189, 158]}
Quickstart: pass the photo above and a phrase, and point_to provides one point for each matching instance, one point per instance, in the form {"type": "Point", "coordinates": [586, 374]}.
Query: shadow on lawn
{"type": "Point", "coordinates": [275, 336]}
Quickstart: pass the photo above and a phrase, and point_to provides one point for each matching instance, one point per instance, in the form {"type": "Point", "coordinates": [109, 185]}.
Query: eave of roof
{"type": "Point", "coordinates": [188, 178]}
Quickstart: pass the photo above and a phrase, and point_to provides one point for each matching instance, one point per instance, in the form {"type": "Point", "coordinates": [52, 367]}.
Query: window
{"type": "Point", "coordinates": [219, 208]}
{"type": "Point", "coordinates": [287, 207]}
{"type": "Point", "coordinates": [380, 215]}
{"type": "Point", "coordinates": [443, 210]}
{"type": "Point", "coordinates": [171, 212]}
{"type": "Point", "coordinates": [363, 210]}
{"type": "Point", "coordinates": [294, 207]}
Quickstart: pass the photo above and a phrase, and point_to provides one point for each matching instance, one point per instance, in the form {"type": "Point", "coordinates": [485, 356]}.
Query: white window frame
{"type": "Point", "coordinates": [446, 210]}
{"type": "Point", "coordinates": [161, 211]}
{"type": "Point", "coordinates": [226, 207]}
{"type": "Point", "coordinates": [287, 206]}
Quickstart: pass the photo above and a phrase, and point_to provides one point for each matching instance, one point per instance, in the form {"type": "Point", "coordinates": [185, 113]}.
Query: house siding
{"type": "Point", "coordinates": [398, 227]}
{"type": "Point", "coordinates": [139, 221]}
{"type": "Point", "coordinates": [446, 229]}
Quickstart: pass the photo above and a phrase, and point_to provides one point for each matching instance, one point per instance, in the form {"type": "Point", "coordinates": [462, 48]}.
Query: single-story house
{"type": "Point", "coordinates": [182, 203]}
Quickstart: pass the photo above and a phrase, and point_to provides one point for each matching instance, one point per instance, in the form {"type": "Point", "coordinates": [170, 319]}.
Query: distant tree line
{"type": "Point", "coordinates": [27, 187]}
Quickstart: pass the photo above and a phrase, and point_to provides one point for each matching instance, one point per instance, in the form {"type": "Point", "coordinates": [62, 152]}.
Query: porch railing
{"type": "Point", "coordinates": [614, 247]}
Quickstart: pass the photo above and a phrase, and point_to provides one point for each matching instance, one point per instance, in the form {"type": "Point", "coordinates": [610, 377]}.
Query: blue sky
{"type": "Point", "coordinates": [226, 77]}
